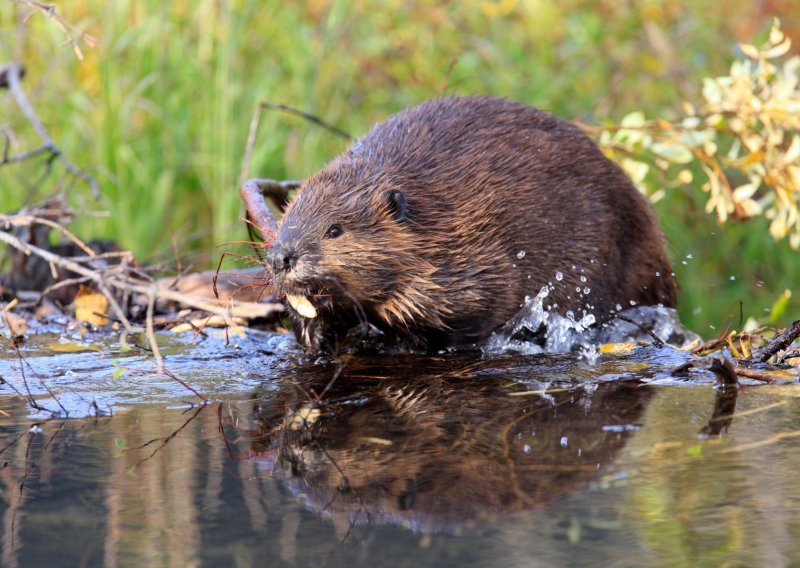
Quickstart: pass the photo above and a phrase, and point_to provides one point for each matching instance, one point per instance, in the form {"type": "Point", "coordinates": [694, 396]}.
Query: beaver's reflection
{"type": "Point", "coordinates": [448, 447]}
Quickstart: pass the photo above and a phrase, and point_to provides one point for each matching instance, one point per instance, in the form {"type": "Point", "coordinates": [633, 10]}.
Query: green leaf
{"type": "Point", "coordinates": [695, 451]}
{"type": "Point", "coordinates": [779, 307]}
{"type": "Point", "coordinates": [675, 153]}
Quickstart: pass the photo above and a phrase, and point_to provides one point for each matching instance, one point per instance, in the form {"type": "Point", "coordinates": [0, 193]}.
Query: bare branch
{"type": "Point", "coordinates": [309, 117]}
{"type": "Point", "coordinates": [74, 34]}
{"type": "Point", "coordinates": [11, 72]}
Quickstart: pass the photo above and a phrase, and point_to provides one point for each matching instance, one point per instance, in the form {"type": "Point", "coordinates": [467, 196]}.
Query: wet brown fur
{"type": "Point", "coordinates": [483, 180]}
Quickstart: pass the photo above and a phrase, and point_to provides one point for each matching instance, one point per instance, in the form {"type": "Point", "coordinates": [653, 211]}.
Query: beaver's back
{"type": "Point", "coordinates": [509, 199]}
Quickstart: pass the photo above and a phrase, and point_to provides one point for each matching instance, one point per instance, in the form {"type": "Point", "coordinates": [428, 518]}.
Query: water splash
{"type": "Point", "coordinates": [538, 328]}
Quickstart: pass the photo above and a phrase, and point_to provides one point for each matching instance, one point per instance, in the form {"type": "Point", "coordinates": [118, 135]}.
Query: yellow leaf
{"type": "Point", "coordinates": [779, 50]}
{"type": "Point", "coordinates": [617, 348]}
{"type": "Point", "coordinates": [90, 306]}
{"type": "Point", "coordinates": [69, 347]}
{"type": "Point", "coordinates": [793, 152]}
{"type": "Point", "coordinates": [750, 207]}
{"type": "Point", "coordinates": [749, 50]}
{"type": "Point", "coordinates": [377, 441]}
{"type": "Point", "coordinates": [744, 191]}
{"type": "Point", "coordinates": [776, 36]}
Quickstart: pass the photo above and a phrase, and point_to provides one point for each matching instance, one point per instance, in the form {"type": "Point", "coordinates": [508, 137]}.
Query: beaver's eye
{"type": "Point", "coordinates": [334, 231]}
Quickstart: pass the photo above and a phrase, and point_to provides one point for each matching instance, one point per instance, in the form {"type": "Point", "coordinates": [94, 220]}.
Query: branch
{"type": "Point", "coordinates": [309, 117]}
{"type": "Point", "coordinates": [106, 279]}
{"type": "Point", "coordinates": [780, 342]}
{"type": "Point", "coordinates": [68, 29]}
{"type": "Point", "coordinates": [11, 74]}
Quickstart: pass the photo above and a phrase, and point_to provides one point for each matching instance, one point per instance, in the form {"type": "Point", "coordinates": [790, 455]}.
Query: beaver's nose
{"type": "Point", "coordinates": [282, 257]}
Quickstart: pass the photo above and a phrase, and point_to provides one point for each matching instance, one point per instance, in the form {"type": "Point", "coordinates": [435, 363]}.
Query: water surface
{"type": "Point", "coordinates": [388, 460]}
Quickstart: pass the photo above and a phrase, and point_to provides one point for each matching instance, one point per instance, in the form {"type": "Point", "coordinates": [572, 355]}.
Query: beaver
{"type": "Point", "coordinates": [436, 225]}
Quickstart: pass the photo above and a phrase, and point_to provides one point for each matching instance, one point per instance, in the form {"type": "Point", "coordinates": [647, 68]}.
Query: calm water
{"type": "Point", "coordinates": [407, 461]}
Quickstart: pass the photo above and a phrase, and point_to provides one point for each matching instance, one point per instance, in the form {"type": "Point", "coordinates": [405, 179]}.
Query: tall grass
{"type": "Point", "coordinates": [159, 111]}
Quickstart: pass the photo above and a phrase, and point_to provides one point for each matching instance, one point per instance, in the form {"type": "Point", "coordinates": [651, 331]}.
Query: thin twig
{"type": "Point", "coordinates": [29, 220]}
{"type": "Point", "coordinates": [72, 33]}
{"type": "Point", "coordinates": [165, 440]}
{"type": "Point", "coordinates": [309, 117]}
{"type": "Point", "coordinates": [657, 339]}
{"type": "Point", "coordinates": [120, 282]}
{"type": "Point", "coordinates": [11, 71]}
{"type": "Point", "coordinates": [151, 335]}
{"type": "Point", "coordinates": [336, 374]}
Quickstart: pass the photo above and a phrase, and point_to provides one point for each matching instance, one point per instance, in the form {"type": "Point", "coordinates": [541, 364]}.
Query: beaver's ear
{"type": "Point", "coordinates": [396, 204]}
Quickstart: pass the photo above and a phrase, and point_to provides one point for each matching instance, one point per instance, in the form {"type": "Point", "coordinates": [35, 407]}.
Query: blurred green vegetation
{"type": "Point", "coordinates": [159, 111]}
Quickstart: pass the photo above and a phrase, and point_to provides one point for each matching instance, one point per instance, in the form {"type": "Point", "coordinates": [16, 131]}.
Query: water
{"type": "Point", "coordinates": [453, 460]}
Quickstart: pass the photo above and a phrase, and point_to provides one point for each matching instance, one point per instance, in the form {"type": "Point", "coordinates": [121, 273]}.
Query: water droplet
{"type": "Point", "coordinates": [733, 277]}
{"type": "Point", "coordinates": [587, 290]}
{"type": "Point", "coordinates": [619, 308]}
{"type": "Point", "coordinates": [559, 276]}
{"type": "Point", "coordinates": [759, 284]}
{"type": "Point", "coordinates": [658, 274]}
{"type": "Point", "coordinates": [690, 256]}
{"type": "Point", "coordinates": [513, 265]}
{"type": "Point", "coordinates": [583, 278]}
{"type": "Point", "coordinates": [526, 448]}
{"type": "Point", "coordinates": [632, 302]}
{"type": "Point", "coordinates": [577, 288]}
{"type": "Point", "coordinates": [521, 254]}
{"type": "Point", "coordinates": [683, 262]}
{"type": "Point", "coordinates": [564, 442]}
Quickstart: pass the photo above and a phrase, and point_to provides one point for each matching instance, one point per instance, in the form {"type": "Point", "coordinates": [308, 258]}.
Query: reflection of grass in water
{"type": "Point", "coordinates": [159, 111]}
{"type": "Point", "coordinates": [715, 501]}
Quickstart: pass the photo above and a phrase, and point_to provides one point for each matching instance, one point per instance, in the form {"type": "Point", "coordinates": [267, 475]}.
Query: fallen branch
{"type": "Point", "coordinates": [780, 342]}
{"type": "Point", "coordinates": [106, 279]}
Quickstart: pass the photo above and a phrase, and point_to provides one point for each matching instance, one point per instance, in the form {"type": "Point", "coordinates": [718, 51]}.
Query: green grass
{"type": "Point", "coordinates": [159, 110]}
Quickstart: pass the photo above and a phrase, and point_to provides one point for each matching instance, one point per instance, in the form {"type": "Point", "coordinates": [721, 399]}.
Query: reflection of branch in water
{"type": "Point", "coordinates": [15, 505]}
{"type": "Point", "coordinates": [336, 374]}
{"type": "Point", "coordinates": [31, 401]}
{"type": "Point", "coordinates": [165, 440]}
{"type": "Point", "coordinates": [18, 438]}
{"type": "Point", "coordinates": [221, 423]}
{"type": "Point", "coordinates": [722, 417]}
{"type": "Point", "coordinates": [772, 439]}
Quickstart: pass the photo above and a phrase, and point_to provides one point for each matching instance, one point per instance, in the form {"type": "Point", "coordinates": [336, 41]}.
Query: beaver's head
{"type": "Point", "coordinates": [347, 252]}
